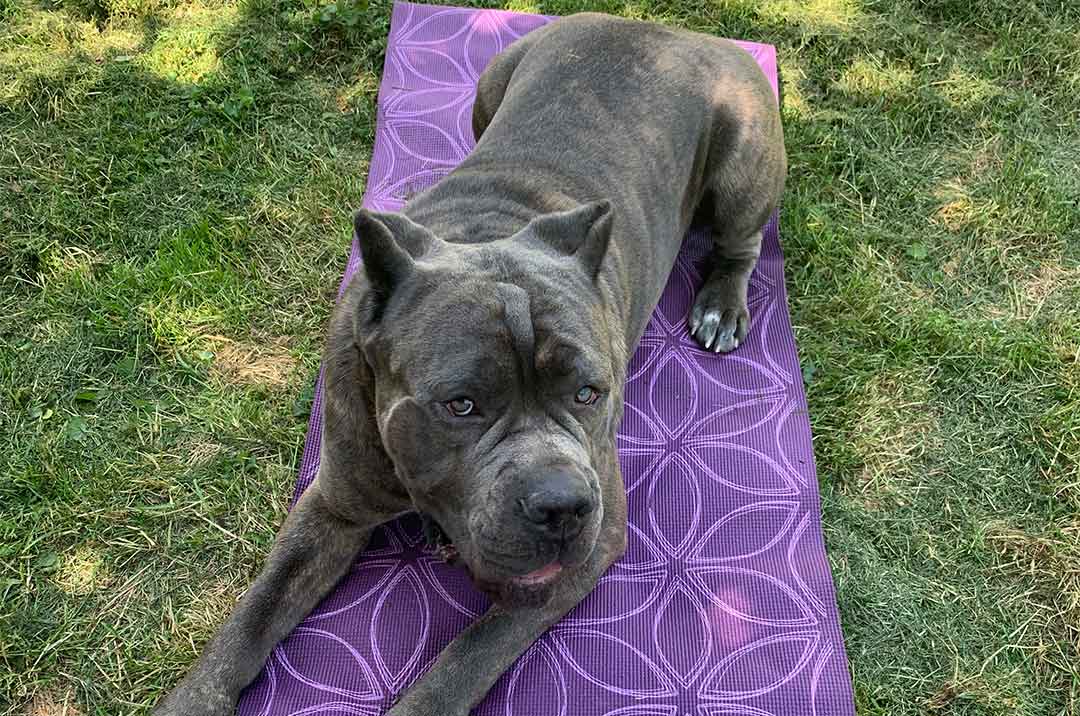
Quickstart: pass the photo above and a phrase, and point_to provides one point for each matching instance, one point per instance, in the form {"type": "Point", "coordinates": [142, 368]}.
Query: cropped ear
{"type": "Point", "coordinates": [389, 243]}
{"type": "Point", "coordinates": [583, 233]}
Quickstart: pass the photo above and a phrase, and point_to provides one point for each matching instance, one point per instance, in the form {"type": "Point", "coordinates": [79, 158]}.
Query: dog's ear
{"type": "Point", "coordinates": [583, 233]}
{"type": "Point", "coordinates": [389, 243]}
{"type": "Point", "coordinates": [402, 429]}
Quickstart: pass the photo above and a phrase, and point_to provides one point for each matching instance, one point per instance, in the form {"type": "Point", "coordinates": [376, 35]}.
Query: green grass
{"type": "Point", "coordinates": [175, 186]}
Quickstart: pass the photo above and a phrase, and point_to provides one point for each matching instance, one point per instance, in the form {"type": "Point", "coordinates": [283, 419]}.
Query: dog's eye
{"type": "Point", "coordinates": [460, 407]}
{"type": "Point", "coordinates": [587, 395]}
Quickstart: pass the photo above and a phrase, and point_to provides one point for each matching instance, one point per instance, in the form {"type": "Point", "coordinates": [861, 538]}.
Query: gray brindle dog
{"type": "Point", "coordinates": [474, 368]}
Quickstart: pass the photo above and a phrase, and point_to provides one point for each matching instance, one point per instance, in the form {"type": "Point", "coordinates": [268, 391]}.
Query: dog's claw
{"type": "Point", "coordinates": [695, 320]}
{"type": "Point", "coordinates": [725, 345]}
{"type": "Point", "coordinates": [705, 329]}
{"type": "Point", "coordinates": [725, 338]}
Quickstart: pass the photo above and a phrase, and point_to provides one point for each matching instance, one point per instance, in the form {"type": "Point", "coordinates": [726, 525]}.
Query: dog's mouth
{"type": "Point", "coordinates": [445, 549]}
{"type": "Point", "coordinates": [540, 577]}
{"type": "Point", "coordinates": [439, 541]}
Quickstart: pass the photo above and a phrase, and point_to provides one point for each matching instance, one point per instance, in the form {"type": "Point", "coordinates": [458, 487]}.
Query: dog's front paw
{"type": "Point", "coordinates": [196, 700]}
{"type": "Point", "coordinates": [716, 324]}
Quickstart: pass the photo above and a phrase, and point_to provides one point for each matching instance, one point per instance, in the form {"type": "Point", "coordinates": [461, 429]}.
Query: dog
{"type": "Point", "coordinates": [474, 367]}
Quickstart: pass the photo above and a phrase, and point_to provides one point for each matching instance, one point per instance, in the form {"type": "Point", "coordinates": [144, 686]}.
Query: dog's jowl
{"type": "Point", "coordinates": [474, 368]}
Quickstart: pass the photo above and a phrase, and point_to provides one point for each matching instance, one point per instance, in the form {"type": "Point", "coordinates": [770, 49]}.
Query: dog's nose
{"type": "Point", "coordinates": [561, 504]}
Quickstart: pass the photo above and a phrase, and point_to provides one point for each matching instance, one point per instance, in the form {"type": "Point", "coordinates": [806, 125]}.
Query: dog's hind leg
{"type": "Point", "coordinates": [491, 86]}
{"type": "Point", "coordinates": [719, 319]}
{"type": "Point", "coordinates": [745, 179]}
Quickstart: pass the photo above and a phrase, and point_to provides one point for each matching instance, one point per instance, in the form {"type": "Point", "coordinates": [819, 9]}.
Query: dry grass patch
{"type": "Point", "coordinates": [267, 363]}
{"type": "Point", "coordinates": [50, 703]}
{"type": "Point", "coordinates": [896, 427]}
{"type": "Point", "coordinates": [201, 451]}
{"type": "Point", "coordinates": [1033, 292]}
{"type": "Point", "coordinates": [971, 690]}
{"type": "Point", "coordinates": [1051, 563]}
{"type": "Point", "coordinates": [204, 611]}
{"type": "Point", "coordinates": [957, 211]}
{"type": "Point", "coordinates": [82, 572]}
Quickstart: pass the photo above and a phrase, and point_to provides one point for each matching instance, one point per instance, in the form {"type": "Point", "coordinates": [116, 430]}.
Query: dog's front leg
{"type": "Point", "coordinates": [471, 664]}
{"type": "Point", "coordinates": [313, 550]}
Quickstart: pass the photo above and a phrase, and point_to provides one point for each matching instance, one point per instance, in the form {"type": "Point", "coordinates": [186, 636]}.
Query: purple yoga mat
{"type": "Point", "coordinates": [723, 604]}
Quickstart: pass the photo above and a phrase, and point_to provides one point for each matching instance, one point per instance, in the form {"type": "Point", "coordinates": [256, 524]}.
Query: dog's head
{"type": "Point", "coordinates": [496, 386]}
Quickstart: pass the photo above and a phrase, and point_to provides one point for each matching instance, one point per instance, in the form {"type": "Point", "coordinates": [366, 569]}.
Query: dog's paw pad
{"type": "Point", "coordinates": [720, 330]}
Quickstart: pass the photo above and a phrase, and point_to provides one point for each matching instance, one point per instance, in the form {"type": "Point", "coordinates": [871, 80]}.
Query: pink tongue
{"type": "Point", "coordinates": [541, 575]}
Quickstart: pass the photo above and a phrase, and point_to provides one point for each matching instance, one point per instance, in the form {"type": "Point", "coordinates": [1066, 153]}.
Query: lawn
{"type": "Point", "coordinates": [176, 180]}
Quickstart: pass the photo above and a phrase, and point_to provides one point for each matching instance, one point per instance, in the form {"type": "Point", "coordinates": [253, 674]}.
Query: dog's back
{"type": "Point", "coordinates": [653, 118]}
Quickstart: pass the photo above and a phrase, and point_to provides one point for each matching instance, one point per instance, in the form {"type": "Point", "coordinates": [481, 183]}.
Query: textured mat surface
{"type": "Point", "coordinates": [723, 604]}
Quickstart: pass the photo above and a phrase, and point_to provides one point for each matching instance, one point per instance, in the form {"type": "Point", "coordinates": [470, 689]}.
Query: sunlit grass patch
{"type": "Point", "coordinates": [964, 90]}
{"type": "Point", "coordinates": [816, 16]}
{"type": "Point", "coordinates": [794, 85]}
{"type": "Point", "coordinates": [875, 77]}
{"type": "Point", "coordinates": [58, 57]}
{"type": "Point", "coordinates": [118, 41]}
{"type": "Point", "coordinates": [185, 49]}
{"type": "Point", "coordinates": [522, 6]}
{"type": "Point", "coordinates": [194, 284]}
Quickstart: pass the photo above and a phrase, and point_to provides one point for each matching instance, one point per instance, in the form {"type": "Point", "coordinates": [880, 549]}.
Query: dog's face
{"type": "Point", "coordinates": [495, 388]}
